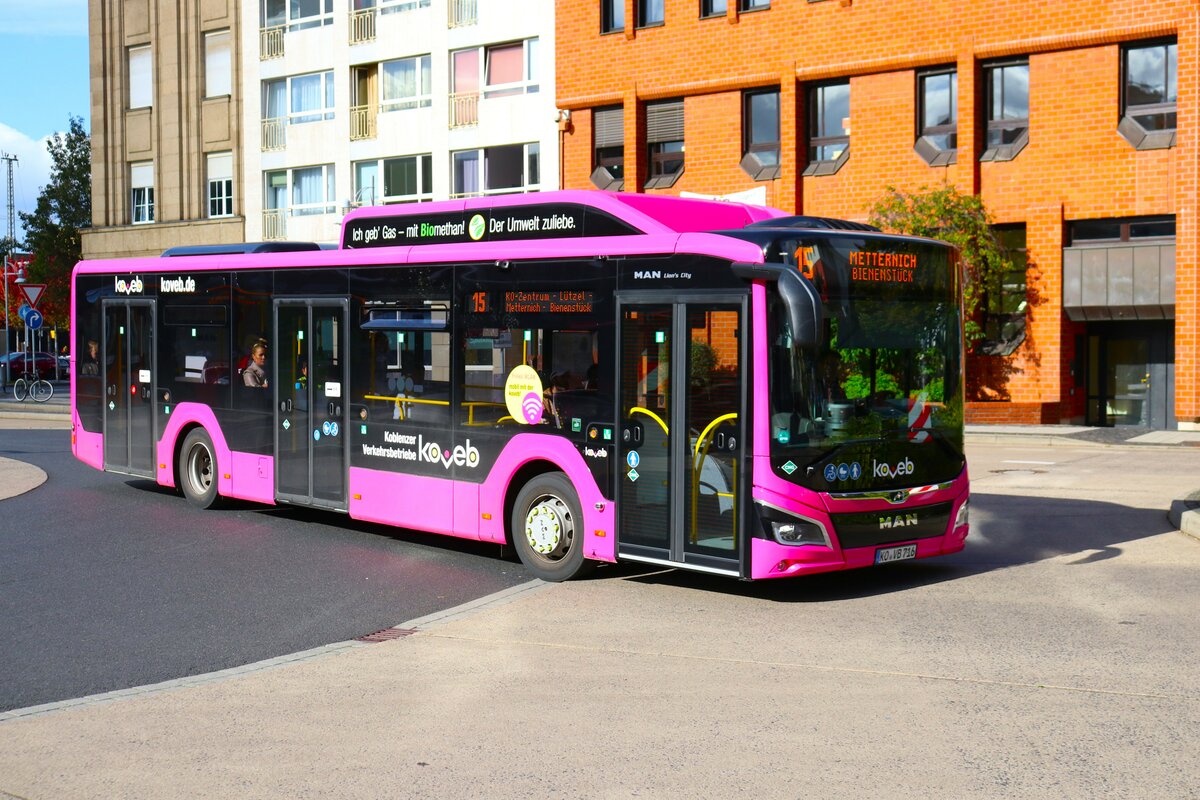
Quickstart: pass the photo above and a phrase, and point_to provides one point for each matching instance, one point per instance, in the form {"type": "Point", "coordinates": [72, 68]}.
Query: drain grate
{"type": "Point", "coordinates": [386, 635]}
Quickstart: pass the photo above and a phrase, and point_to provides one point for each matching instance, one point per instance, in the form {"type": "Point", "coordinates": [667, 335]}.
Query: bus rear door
{"type": "Point", "coordinates": [309, 384]}
{"type": "Point", "coordinates": [681, 471]}
{"type": "Point", "coordinates": [128, 359]}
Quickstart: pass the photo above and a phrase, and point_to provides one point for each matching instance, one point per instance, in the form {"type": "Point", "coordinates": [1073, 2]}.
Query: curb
{"type": "Point", "coordinates": [1185, 516]}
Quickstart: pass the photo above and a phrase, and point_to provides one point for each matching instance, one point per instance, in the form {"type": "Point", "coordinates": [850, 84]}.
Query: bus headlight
{"type": "Point", "coordinates": [787, 528]}
{"type": "Point", "coordinates": [963, 516]}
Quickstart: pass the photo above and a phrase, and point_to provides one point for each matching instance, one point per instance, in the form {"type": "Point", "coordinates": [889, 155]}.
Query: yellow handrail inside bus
{"type": "Point", "coordinates": [652, 415]}
{"type": "Point", "coordinates": [701, 452]}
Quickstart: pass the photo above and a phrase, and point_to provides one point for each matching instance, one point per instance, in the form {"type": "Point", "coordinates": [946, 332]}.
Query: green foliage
{"type": "Point", "coordinates": [64, 207]}
{"type": "Point", "coordinates": [703, 362]}
{"type": "Point", "coordinates": [959, 219]}
{"type": "Point", "coordinates": [857, 385]}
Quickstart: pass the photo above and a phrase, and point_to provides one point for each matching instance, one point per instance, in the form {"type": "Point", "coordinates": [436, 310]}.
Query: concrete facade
{"type": "Point", "coordinates": [1078, 162]}
{"type": "Point", "coordinates": [372, 130]}
{"type": "Point", "coordinates": [166, 124]}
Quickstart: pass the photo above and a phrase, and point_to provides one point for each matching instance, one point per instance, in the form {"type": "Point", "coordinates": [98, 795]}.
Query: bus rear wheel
{"type": "Point", "coordinates": [547, 529]}
{"type": "Point", "coordinates": [198, 469]}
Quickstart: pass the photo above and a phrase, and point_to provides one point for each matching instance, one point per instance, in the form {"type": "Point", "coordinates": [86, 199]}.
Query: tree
{"type": "Point", "coordinates": [960, 219]}
{"type": "Point", "coordinates": [64, 207]}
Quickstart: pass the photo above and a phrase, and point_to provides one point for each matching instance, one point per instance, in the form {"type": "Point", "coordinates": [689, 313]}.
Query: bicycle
{"type": "Point", "coordinates": [30, 385]}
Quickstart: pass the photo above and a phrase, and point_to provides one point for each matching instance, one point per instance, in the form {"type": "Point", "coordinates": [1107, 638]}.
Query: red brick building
{"type": "Point", "coordinates": [1076, 123]}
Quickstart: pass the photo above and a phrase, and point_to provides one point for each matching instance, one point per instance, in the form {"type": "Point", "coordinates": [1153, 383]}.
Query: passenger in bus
{"type": "Point", "coordinates": [255, 373]}
{"type": "Point", "coordinates": [91, 361]}
{"type": "Point", "coordinates": [301, 387]}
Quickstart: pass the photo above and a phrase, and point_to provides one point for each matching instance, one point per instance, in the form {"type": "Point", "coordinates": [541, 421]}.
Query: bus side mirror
{"type": "Point", "coordinates": [805, 311]}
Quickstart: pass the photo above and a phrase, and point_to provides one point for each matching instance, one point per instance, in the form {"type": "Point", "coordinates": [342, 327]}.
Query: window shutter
{"type": "Point", "coordinates": [609, 126]}
{"type": "Point", "coordinates": [664, 121]}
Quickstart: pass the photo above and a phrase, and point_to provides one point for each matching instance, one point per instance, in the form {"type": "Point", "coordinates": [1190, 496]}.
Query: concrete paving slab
{"type": "Point", "coordinates": [17, 478]}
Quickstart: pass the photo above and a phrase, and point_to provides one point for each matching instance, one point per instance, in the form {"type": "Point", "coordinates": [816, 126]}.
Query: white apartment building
{"type": "Point", "coordinates": [369, 102]}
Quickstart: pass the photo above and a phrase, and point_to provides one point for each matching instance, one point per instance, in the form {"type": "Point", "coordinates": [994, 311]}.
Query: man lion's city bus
{"type": "Point", "coordinates": [584, 376]}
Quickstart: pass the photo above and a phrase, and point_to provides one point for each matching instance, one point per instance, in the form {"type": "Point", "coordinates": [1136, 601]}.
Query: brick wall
{"type": "Point", "coordinates": [1076, 166]}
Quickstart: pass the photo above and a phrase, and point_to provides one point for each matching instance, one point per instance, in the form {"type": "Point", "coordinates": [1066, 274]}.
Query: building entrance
{"type": "Point", "coordinates": [1131, 374]}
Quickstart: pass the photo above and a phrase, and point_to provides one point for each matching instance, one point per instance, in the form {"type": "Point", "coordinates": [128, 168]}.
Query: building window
{"type": "Point", "coordinates": [310, 97]}
{"type": "Point", "coordinates": [1007, 88]}
{"type": "Point", "coordinates": [829, 127]}
{"type": "Point", "coordinates": [217, 64]}
{"type": "Point", "coordinates": [664, 141]}
{"type": "Point", "coordinates": [612, 16]}
{"type": "Point", "coordinates": [760, 134]}
{"type": "Point", "coordinates": [220, 185]}
{"type": "Point", "coordinates": [312, 190]}
{"type": "Point", "coordinates": [505, 169]}
{"type": "Point", "coordinates": [650, 12]}
{"type": "Point", "coordinates": [753, 5]}
{"type": "Point", "coordinates": [713, 8]}
{"type": "Point", "coordinates": [141, 77]}
{"type": "Point", "coordinates": [297, 14]}
{"type": "Point", "coordinates": [511, 69]}
{"type": "Point", "coordinates": [407, 179]}
{"type": "Point", "coordinates": [1127, 229]}
{"type": "Point", "coordinates": [141, 201]}
{"type": "Point", "coordinates": [608, 140]}
{"type": "Point", "coordinates": [1006, 300]}
{"type": "Point", "coordinates": [406, 84]}
{"type": "Point", "coordinates": [1148, 95]}
{"type": "Point", "coordinates": [937, 116]}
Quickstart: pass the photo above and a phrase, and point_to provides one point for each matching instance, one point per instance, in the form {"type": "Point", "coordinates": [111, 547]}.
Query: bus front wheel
{"type": "Point", "coordinates": [198, 469]}
{"type": "Point", "coordinates": [547, 529]}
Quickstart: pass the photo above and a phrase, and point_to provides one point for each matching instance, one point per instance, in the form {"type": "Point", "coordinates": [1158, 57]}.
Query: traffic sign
{"type": "Point", "coordinates": [23, 311]}
{"type": "Point", "coordinates": [33, 320]}
{"type": "Point", "coordinates": [32, 292]}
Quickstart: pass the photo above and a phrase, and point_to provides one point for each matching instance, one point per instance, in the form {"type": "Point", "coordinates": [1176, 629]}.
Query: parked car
{"type": "Point", "coordinates": [43, 363]}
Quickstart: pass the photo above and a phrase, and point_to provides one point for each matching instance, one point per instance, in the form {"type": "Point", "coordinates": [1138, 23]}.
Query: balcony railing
{"type": "Point", "coordinates": [464, 109]}
{"type": "Point", "coordinates": [270, 42]}
{"type": "Point", "coordinates": [274, 134]}
{"type": "Point", "coordinates": [362, 26]}
{"type": "Point", "coordinates": [463, 12]}
{"type": "Point", "coordinates": [274, 224]}
{"type": "Point", "coordinates": [362, 122]}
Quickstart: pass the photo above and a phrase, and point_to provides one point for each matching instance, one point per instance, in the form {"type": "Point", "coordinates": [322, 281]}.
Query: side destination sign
{"type": "Point", "coordinates": [510, 223]}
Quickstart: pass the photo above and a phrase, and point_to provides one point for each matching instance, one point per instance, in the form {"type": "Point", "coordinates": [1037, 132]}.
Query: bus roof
{"type": "Point", "coordinates": [543, 215]}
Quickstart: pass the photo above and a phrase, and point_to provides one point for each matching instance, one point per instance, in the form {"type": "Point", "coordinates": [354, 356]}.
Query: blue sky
{"type": "Point", "coordinates": [43, 81]}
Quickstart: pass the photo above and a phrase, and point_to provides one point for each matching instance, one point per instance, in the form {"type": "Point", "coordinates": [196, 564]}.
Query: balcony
{"type": "Point", "coordinates": [362, 123]}
{"type": "Point", "coordinates": [274, 134]}
{"type": "Point", "coordinates": [463, 12]}
{"type": "Point", "coordinates": [274, 224]}
{"type": "Point", "coordinates": [362, 26]}
{"type": "Point", "coordinates": [464, 109]}
{"type": "Point", "coordinates": [270, 42]}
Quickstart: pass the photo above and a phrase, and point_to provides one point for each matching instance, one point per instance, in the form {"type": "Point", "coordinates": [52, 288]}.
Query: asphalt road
{"type": "Point", "coordinates": [1056, 657]}
{"type": "Point", "coordinates": [109, 582]}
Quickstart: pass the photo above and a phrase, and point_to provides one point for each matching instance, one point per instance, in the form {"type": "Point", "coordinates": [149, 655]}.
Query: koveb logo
{"type": "Point", "coordinates": [128, 287]}
{"type": "Point", "coordinates": [462, 455]}
{"type": "Point", "coordinates": [885, 470]}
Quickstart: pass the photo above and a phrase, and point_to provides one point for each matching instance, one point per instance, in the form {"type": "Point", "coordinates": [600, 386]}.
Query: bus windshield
{"type": "Point", "coordinates": [877, 403]}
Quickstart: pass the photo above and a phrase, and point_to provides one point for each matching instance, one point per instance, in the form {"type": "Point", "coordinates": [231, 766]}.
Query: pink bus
{"type": "Point", "coordinates": [585, 376]}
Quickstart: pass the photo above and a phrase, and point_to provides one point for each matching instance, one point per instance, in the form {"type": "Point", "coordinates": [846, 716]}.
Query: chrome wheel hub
{"type": "Point", "coordinates": [548, 527]}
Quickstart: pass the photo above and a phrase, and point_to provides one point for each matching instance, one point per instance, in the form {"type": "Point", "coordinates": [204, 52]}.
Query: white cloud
{"type": "Point", "coordinates": [44, 18]}
{"type": "Point", "coordinates": [30, 174]}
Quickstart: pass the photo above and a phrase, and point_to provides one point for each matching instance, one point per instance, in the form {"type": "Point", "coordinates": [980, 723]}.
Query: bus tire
{"type": "Point", "coordinates": [198, 469]}
{"type": "Point", "coordinates": [547, 528]}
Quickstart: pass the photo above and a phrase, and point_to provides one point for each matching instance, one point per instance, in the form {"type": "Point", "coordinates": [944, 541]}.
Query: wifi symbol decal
{"type": "Point", "coordinates": [531, 407]}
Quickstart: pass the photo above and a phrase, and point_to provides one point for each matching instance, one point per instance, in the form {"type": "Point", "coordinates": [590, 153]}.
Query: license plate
{"type": "Point", "coordinates": [886, 555]}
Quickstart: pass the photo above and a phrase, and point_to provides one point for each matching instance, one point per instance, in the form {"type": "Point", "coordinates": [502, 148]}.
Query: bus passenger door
{"type": "Point", "coordinates": [681, 442]}
{"type": "Point", "coordinates": [128, 359]}
{"type": "Point", "coordinates": [309, 375]}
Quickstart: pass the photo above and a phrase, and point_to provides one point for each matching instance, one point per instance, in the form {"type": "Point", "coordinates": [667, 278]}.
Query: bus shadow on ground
{"type": "Point", "coordinates": [1006, 531]}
